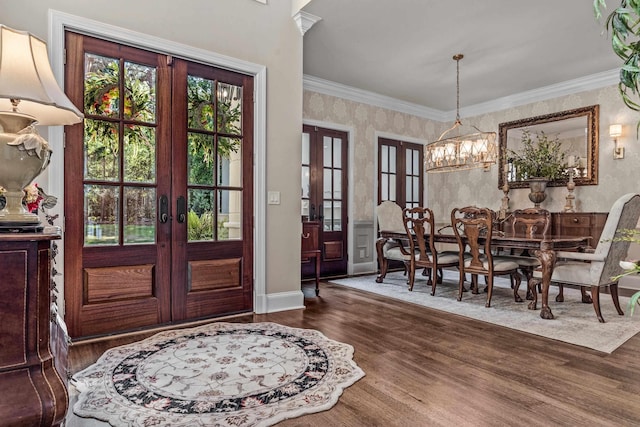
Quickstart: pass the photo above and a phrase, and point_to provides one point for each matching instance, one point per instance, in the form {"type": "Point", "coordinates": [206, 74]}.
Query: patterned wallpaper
{"type": "Point", "coordinates": [448, 190]}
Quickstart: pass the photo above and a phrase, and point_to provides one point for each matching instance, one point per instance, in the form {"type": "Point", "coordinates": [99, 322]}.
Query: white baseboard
{"type": "Point", "coordinates": [365, 268]}
{"type": "Point", "coordinates": [281, 301]}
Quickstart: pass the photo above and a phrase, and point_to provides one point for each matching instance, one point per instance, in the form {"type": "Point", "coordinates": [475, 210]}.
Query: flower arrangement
{"type": "Point", "coordinates": [539, 158]}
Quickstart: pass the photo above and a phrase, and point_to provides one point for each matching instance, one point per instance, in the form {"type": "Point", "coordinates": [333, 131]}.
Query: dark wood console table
{"type": "Point", "coordinates": [310, 249]}
{"type": "Point", "coordinates": [33, 392]}
{"type": "Point", "coordinates": [579, 224]}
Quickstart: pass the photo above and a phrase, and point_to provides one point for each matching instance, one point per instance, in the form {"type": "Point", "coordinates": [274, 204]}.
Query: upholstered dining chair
{"type": "Point", "coordinates": [419, 225]}
{"type": "Point", "coordinates": [470, 224]}
{"type": "Point", "coordinates": [596, 269]}
{"type": "Point", "coordinates": [390, 219]}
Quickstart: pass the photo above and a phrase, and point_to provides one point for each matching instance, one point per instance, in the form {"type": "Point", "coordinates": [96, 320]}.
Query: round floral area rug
{"type": "Point", "coordinates": [220, 374]}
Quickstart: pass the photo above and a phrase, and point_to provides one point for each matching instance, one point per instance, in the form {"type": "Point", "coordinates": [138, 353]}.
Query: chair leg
{"type": "Point", "coordinates": [489, 290]}
{"type": "Point", "coordinates": [428, 273]}
{"type": "Point", "coordinates": [528, 274]}
{"type": "Point", "coordinates": [560, 296]}
{"type": "Point", "coordinates": [613, 288]}
{"type": "Point", "coordinates": [586, 298]}
{"type": "Point", "coordinates": [595, 295]}
{"type": "Point", "coordinates": [412, 275]}
{"type": "Point", "coordinates": [434, 280]}
{"type": "Point", "coordinates": [461, 288]}
{"type": "Point", "coordinates": [439, 276]}
{"type": "Point", "coordinates": [515, 276]}
{"type": "Point", "coordinates": [474, 284]}
{"type": "Point", "coordinates": [384, 266]}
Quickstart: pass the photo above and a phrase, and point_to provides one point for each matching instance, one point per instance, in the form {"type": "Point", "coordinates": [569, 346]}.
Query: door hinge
{"type": "Point", "coordinates": [169, 60]}
{"type": "Point", "coordinates": [64, 140]}
{"type": "Point", "coordinates": [64, 56]}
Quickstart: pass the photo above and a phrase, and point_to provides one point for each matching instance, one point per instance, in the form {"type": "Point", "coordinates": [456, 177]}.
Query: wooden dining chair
{"type": "Point", "coordinates": [529, 222]}
{"type": "Point", "coordinates": [472, 226]}
{"type": "Point", "coordinates": [419, 225]}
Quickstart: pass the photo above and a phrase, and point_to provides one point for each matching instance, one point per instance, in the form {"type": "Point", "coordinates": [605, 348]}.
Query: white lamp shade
{"type": "Point", "coordinates": [615, 131]}
{"type": "Point", "coordinates": [26, 76]}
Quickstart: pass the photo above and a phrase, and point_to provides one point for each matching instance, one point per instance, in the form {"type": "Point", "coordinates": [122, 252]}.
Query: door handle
{"type": "Point", "coordinates": [163, 208]}
{"type": "Point", "coordinates": [181, 209]}
{"type": "Point", "coordinates": [320, 216]}
{"type": "Point", "coordinates": [312, 212]}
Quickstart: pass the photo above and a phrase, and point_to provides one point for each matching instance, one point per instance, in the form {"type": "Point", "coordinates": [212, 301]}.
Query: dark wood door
{"type": "Point", "coordinates": [158, 193]}
{"type": "Point", "coordinates": [324, 195]}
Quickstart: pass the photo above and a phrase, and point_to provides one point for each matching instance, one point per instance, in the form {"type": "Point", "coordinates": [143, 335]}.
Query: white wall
{"type": "Point", "coordinates": [242, 29]}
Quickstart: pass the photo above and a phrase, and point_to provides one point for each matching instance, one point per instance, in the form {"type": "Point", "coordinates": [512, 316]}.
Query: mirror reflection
{"type": "Point", "coordinates": [577, 130]}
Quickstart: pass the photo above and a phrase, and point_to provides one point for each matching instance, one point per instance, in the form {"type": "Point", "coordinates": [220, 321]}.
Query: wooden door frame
{"type": "Point", "coordinates": [350, 131]}
{"type": "Point", "coordinates": [59, 22]}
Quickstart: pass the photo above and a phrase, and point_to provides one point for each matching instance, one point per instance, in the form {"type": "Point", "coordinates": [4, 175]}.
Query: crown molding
{"type": "Point", "coordinates": [305, 20]}
{"type": "Point", "coordinates": [582, 84]}
{"type": "Point", "coordinates": [569, 87]}
{"type": "Point", "coordinates": [350, 93]}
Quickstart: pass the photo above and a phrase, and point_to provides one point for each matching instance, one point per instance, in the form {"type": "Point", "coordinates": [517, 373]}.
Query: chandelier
{"type": "Point", "coordinates": [459, 152]}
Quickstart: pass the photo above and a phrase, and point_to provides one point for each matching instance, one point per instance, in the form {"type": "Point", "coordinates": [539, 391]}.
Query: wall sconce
{"type": "Point", "coordinates": [614, 132]}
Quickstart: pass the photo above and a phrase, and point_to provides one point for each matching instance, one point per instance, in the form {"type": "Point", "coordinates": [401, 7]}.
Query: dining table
{"type": "Point", "coordinates": [543, 247]}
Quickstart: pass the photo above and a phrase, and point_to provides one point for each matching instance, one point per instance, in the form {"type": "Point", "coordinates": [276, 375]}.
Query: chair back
{"type": "Point", "coordinates": [390, 217]}
{"type": "Point", "coordinates": [419, 222]}
{"type": "Point", "coordinates": [624, 214]}
{"type": "Point", "coordinates": [531, 221]}
{"type": "Point", "coordinates": [469, 225]}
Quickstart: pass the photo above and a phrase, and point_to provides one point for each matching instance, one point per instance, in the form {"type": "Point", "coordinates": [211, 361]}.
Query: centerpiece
{"type": "Point", "coordinates": [541, 159]}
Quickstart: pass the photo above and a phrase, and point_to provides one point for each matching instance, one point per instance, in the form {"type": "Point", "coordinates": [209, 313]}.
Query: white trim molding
{"type": "Point", "coordinates": [60, 21]}
{"type": "Point", "coordinates": [594, 81]}
{"type": "Point", "coordinates": [284, 301]}
{"type": "Point", "coordinates": [338, 90]}
{"type": "Point", "coordinates": [305, 20]}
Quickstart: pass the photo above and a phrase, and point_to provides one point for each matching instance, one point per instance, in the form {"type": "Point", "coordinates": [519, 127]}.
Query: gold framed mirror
{"type": "Point", "coordinates": [577, 130]}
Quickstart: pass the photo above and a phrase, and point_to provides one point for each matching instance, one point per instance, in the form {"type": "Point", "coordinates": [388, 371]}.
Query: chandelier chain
{"type": "Point", "coordinates": [457, 58]}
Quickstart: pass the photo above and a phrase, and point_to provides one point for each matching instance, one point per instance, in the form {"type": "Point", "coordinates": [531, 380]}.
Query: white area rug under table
{"type": "Point", "coordinates": [574, 323]}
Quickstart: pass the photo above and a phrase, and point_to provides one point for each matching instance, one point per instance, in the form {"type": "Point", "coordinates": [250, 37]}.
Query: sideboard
{"type": "Point", "coordinates": [579, 224]}
{"type": "Point", "coordinates": [34, 393]}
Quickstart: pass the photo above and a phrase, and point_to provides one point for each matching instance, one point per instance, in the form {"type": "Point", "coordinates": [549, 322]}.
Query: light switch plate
{"type": "Point", "coordinates": [273, 197]}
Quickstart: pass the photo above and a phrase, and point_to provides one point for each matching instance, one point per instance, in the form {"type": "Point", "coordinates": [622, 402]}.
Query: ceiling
{"type": "Point", "coordinates": [404, 49]}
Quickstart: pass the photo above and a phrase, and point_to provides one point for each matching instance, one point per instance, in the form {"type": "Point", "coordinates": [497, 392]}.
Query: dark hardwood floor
{"type": "Point", "coordinates": [429, 368]}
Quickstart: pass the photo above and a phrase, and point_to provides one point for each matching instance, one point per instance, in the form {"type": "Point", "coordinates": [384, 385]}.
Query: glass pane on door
{"type": "Point", "coordinates": [101, 215]}
{"type": "Point", "coordinates": [139, 215]}
{"type": "Point", "coordinates": [200, 215]}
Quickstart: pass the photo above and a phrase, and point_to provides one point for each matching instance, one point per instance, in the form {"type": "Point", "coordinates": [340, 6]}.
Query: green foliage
{"type": "Point", "coordinates": [542, 158]}
{"type": "Point", "coordinates": [199, 227]}
{"type": "Point", "coordinates": [115, 92]}
{"type": "Point", "coordinates": [624, 25]}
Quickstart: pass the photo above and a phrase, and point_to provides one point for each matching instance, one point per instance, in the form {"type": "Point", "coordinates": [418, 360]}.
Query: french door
{"type": "Point", "coordinates": [400, 176]}
{"type": "Point", "coordinates": [324, 195]}
{"type": "Point", "coordinates": [158, 189]}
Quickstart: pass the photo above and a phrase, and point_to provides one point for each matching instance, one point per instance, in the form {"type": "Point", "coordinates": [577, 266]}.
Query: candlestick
{"type": "Point", "coordinates": [568, 207]}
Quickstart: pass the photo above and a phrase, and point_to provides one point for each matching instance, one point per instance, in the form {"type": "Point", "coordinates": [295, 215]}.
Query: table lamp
{"type": "Point", "coordinates": [29, 95]}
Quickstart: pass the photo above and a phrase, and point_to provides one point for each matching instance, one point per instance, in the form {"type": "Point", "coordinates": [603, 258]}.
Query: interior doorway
{"type": "Point", "coordinates": [325, 172]}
